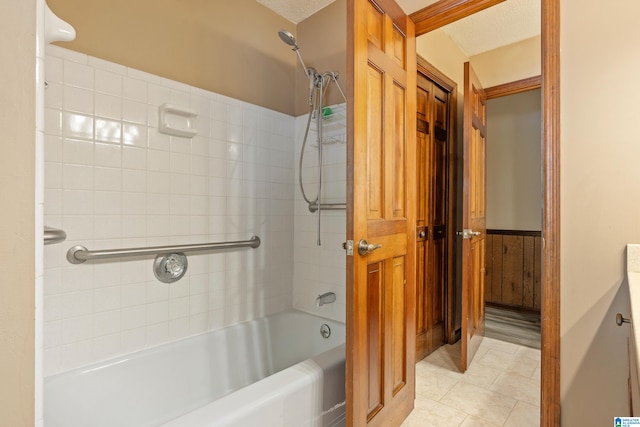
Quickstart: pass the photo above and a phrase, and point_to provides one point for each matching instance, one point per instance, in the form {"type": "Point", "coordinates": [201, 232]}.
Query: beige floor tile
{"type": "Point", "coordinates": [477, 374]}
{"type": "Point", "coordinates": [472, 421]}
{"type": "Point", "coordinates": [447, 357]}
{"type": "Point", "coordinates": [435, 386]}
{"type": "Point", "coordinates": [502, 385]}
{"type": "Point", "coordinates": [509, 362]}
{"type": "Point", "coordinates": [536, 374]}
{"type": "Point", "coordinates": [488, 405]}
{"type": "Point", "coordinates": [518, 387]}
{"type": "Point", "coordinates": [485, 346]}
{"type": "Point", "coordinates": [531, 353]}
{"type": "Point", "coordinates": [495, 344]}
{"type": "Point", "coordinates": [430, 413]}
{"type": "Point", "coordinates": [446, 364]}
{"type": "Point", "coordinates": [425, 368]}
{"type": "Point", "coordinates": [524, 415]}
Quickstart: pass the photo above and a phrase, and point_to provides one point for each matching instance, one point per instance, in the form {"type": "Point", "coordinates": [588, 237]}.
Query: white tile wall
{"type": "Point", "coordinates": [320, 269]}
{"type": "Point", "coordinates": [112, 180]}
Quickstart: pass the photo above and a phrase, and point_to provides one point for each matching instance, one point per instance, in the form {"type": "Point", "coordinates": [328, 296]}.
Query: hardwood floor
{"type": "Point", "coordinates": [514, 327]}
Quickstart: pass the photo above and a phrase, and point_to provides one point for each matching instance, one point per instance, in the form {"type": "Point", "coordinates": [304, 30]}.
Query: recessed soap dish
{"type": "Point", "coordinates": [177, 121]}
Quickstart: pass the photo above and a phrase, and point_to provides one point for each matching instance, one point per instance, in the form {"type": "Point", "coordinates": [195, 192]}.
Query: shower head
{"type": "Point", "coordinates": [288, 38]}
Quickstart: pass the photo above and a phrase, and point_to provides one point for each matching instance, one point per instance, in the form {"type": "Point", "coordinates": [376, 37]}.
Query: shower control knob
{"type": "Point", "coordinates": [170, 268]}
{"type": "Point", "coordinates": [365, 248]}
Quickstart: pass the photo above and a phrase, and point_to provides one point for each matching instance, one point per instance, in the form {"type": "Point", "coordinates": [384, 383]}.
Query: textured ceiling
{"type": "Point", "coordinates": [505, 23]}
{"type": "Point", "coordinates": [295, 10]}
{"type": "Point", "coordinates": [508, 22]}
{"type": "Point", "coordinates": [298, 10]}
{"type": "Point", "coordinates": [410, 6]}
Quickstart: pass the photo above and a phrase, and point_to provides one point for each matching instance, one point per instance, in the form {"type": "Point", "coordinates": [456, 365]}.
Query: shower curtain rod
{"type": "Point", "coordinates": [80, 254]}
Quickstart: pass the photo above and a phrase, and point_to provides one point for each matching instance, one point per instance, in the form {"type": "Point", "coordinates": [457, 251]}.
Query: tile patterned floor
{"type": "Point", "coordinates": [501, 388]}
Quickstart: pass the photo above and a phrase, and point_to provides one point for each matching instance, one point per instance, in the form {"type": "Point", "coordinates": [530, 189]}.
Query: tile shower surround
{"type": "Point", "coordinates": [320, 269]}
{"type": "Point", "coordinates": [112, 180]}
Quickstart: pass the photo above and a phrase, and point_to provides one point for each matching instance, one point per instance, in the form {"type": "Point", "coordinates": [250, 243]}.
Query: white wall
{"type": "Point", "coordinates": [514, 162]}
{"type": "Point", "coordinates": [508, 63]}
{"type": "Point", "coordinates": [442, 52]}
{"type": "Point", "coordinates": [112, 180]}
{"type": "Point", "coordinates": [600, 148]}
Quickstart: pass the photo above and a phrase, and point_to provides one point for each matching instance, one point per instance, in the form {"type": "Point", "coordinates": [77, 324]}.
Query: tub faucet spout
{"type": "Point", "coordinates": [326, 298]}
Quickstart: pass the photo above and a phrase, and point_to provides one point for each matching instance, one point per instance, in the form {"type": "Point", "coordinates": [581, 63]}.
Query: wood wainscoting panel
{"type": "Point", "coordinates": [513, 268]}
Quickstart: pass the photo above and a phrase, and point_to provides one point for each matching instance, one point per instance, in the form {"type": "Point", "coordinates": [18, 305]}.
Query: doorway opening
{"type": "Point", "coordinates": [443, 13]}
{"type": "Point", "coordinates": [514, 221]}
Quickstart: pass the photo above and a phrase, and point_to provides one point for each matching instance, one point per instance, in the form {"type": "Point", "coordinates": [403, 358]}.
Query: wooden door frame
{"type": "Point", "coordinates": [447, 11]}
{"type": "Point", "coordinates": [512, 88]}
{"type": "Point", "coordinates": [432, 73]}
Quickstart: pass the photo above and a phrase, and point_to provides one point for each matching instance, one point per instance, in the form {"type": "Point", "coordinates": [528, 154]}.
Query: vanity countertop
{"type": "Point", "coordinates": [633, 278]}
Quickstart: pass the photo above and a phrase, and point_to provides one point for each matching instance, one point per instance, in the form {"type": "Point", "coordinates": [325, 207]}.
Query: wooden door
{"type": "Point", "coordinates": [380, 365]}
{"type": "Point", "coordinates": [473, 216]}
{"type": "Point", "coordinates": [431, 215]}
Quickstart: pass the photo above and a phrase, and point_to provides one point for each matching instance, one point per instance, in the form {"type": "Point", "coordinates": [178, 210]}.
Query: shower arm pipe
{"type": "Point", "coordinates": [80, 254]}
{"type": "Point", "coordinates": [313, 206]}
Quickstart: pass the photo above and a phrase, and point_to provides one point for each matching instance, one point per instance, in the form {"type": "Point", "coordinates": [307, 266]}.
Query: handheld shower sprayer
{"type": "Point", "coordinates": [310, 72]}
{"type": "Point", "coordinates": [318, 85]}
{"type": "Point", "coordinates": [289, 39]}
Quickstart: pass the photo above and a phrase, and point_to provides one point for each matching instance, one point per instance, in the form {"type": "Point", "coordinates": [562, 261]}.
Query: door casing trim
{"type": "Point", "coordinates": [426, 20]}
{"type": "Point", "coordinates": [512, 88]}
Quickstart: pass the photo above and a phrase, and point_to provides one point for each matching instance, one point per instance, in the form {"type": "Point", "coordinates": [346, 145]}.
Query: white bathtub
{"type": "Point", "coordinates": [274, 371]}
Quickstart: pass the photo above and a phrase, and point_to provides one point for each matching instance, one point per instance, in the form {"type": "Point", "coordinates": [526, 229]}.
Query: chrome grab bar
{"type": "Point", "coordinates": [80, 254]}
{"type": "Point", "coordinates": [313, 207]}
{"type": "Point", "coordinates": [53, 235]}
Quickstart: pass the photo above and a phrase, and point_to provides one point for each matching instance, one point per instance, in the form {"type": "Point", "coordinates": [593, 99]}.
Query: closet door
{"type": "Point", "coordinates": [431, 215]}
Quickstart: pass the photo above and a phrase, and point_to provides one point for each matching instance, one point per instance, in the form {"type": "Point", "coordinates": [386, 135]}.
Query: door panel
{"type": "Point", "coordinates": [399, 311]}
{"type": "Point", "coordinates": [380, 210]}
{"type": "Point", "coordinates": [431, 215]}
{"type": "Point", "coordinates": [473, 217]}
{"type": "Point", "coordinates": [397, 149]}
{"type": "Point", "coordinates": [374, 336]}
{"type": "Point", "coordinates": [375, 143]}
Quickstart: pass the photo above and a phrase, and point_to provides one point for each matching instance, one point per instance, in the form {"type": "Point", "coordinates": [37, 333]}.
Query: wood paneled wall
{"type": "Point", "coordinates": [513, 268]}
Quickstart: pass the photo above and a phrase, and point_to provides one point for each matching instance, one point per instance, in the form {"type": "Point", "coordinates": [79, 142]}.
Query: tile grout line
{"type": "Point", "coordinates": [510, 413]}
